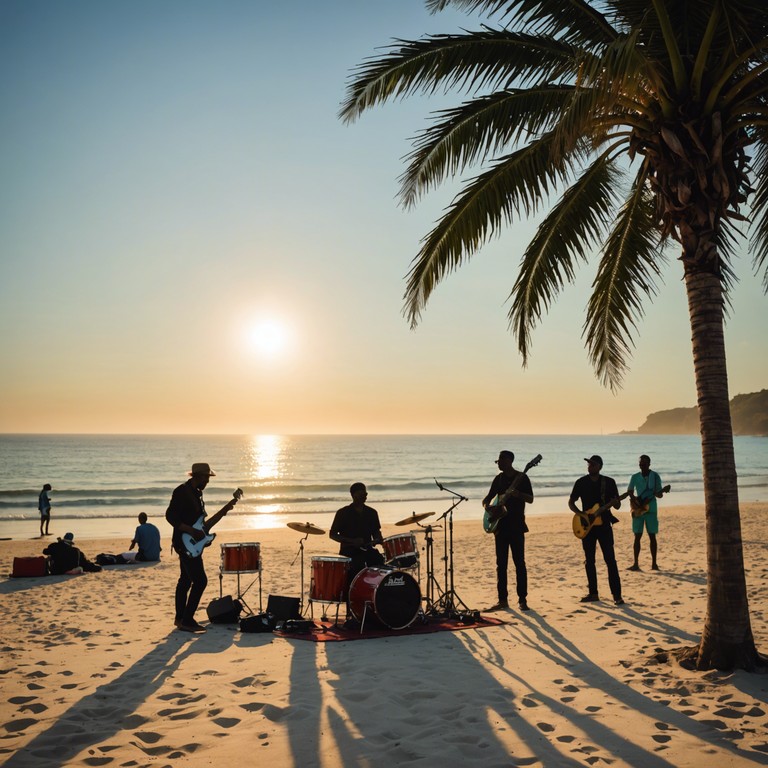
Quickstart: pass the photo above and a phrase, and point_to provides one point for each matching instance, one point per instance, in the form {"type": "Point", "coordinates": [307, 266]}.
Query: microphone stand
{"type": "Point", "coordinates": [449, 602]}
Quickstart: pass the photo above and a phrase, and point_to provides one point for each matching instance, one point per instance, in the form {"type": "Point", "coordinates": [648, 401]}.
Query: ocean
{"type": "Point", "coordinates": [101, 482]}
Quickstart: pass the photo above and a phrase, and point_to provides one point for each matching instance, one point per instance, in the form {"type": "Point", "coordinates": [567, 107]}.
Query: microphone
{"type": "Point", "coordinates": [439, 485]}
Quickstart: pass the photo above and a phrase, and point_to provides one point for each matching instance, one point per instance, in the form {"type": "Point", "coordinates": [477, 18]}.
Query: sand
{"type": "Point", "coordinates": [94, 673]}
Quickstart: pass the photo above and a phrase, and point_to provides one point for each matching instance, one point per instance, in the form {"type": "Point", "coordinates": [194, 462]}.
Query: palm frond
{"type": "Point", "coordinates": [490, 60]}
{"type": "Point", "coordinates": [477, 130]}
{"type": "Point", "coordinates": [514, 184]}
{"type": "Point", "coordinates": [565, 236]}
{"type": "Point", "coordinates": [759, 239]}
{"type": "Point", "coordinates": [626, 276]}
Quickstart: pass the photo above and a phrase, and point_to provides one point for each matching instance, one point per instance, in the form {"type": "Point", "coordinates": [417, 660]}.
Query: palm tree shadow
{"type": "Point", "coordinates": [535, 632]}
{"type": "Point", "coordinates": [111, 708]}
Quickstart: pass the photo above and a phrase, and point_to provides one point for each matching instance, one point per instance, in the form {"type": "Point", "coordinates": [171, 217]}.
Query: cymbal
{"type": "Point", "coordinates": [306, 528]}
{"type": "Point", "coordinates": [415, 518]}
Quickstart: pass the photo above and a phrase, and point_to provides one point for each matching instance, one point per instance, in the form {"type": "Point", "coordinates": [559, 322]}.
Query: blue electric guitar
{"type": "Point", "coordinates": [194, 547]}
{"type": "Point", "coordinates": [496, 509]}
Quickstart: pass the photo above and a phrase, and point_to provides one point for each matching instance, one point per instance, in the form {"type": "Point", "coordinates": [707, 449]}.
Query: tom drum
{"type": "Point", "coordinates": [241, 558]}
{"type": "Point", "coordinates": [329, 579]}
{"type": "Point", "coordinates": [401, 550]}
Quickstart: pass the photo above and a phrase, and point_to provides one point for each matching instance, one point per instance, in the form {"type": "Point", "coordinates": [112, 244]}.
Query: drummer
{"type": "Point", "coordinates": [356, 527]}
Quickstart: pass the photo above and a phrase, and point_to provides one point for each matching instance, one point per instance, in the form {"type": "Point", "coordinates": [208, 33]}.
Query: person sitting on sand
{"type": "Point", "coordinates": [65, 557]}
{"type": "Point", "coordinates": [147, 538]}
{"type": "Point", "coordinates": [44, 505]}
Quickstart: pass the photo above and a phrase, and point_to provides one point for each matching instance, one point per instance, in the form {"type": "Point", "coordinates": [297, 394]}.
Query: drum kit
{"type": "Point", "coordinates": [390, 593]}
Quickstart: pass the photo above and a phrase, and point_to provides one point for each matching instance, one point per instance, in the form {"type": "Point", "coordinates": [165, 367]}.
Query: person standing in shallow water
{"type": "Point", "coordinates": [44, 505]}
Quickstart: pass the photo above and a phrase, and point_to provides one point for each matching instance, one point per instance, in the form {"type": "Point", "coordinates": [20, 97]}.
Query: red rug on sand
{"type": "Point", "coordinates": [326, 631]}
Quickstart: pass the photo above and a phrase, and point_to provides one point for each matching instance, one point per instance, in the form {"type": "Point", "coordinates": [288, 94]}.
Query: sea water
{"type": "Point", "coordinates": [102, 482]}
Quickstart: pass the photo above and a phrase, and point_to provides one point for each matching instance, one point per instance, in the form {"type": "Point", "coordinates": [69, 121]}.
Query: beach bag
{"type": "Point", "coordinates": [261, 622]}
{"type": "Point", "coordinates": [224, 610]}
{"type": "Point", "coordinates": [29, 566]}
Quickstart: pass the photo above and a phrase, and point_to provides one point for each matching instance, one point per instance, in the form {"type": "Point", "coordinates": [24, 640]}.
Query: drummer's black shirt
{"type": "Point", "coordinates": [353, 524]}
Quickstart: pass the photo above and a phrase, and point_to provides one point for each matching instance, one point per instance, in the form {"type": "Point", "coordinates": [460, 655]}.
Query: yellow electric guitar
{"type": "Point", "coordinates": [584, 522]}
{"type": "Point", "coordinates": [641, 504]}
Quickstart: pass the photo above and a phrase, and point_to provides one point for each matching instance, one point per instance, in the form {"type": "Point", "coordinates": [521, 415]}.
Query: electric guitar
{"type": "Point", "coordinates": [640, 505]}
{"type": "Point", "coordinates": [496, 510]}
{"type": "Point", "coordinates": [194, 547]}
{"type": "Point", "coordinates": [584, 522]}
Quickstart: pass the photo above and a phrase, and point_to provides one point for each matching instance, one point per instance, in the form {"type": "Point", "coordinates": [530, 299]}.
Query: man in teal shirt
{"type": "Point", "coordinates": [645, 487]}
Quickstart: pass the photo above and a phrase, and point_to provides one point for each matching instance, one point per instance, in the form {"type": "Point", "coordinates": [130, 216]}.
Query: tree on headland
{"type": "Point", "coordinates": [649, 118]}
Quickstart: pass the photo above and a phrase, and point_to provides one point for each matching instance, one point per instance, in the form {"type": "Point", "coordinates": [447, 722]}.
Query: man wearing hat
{"type": "Point", "coordinates": [591, 490]}
{"type": "Point", "coordinates": [185, 510]}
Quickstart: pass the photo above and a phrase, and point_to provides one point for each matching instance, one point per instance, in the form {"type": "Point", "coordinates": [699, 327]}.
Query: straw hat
{"type": "Point", "coordinates": [201, 468]}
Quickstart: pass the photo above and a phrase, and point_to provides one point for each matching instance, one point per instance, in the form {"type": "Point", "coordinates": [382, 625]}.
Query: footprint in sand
{"type": "Point", "coordinates": [21, 699]}
{"type": "Point", "coordinates": [35, 709]}
{"type": "Point", "coordinates": [16, 726]}
{"type": "Point", "coordinates": [545, 727]}
{"type": "Point", "coordinates": [226, 722]}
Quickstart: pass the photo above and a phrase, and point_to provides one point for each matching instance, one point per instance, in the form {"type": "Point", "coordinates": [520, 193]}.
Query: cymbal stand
{"type": "Point", "coordinates": [431, 583]}
{"type": "Point", "coordinates": [449, 603]}
{"type": "Point", "coordinates": [301, 552]}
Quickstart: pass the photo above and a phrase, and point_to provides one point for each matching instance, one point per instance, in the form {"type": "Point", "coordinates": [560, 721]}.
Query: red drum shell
{"type": "Point", "coordinates": [241, 558]}
{"type": "Point", "coordinates": [329, 579]}
{"type": "Point", "coordinates": [393, 596]}
{"type": "Point", "coordinates": [400, 544]}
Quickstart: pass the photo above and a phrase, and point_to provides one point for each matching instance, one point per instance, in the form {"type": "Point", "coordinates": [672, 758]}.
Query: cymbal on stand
{"type": "Point", "coordinates": [306, 528]}
{"type": "Point", "coordinates": [415, 518]}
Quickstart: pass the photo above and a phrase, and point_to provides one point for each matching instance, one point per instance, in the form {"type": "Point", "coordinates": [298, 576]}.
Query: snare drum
{"type": "Point", "coordinates": [329, 579]}
{"type": "Point", "coordinates": [401, 550]}
{"type": "Point", "coordinates": [393, 596]}
{"type": "Point", "coordinates": [241, 558]}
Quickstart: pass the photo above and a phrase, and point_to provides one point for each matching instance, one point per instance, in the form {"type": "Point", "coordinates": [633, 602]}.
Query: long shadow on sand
{"type": "Point", "coordinates": [390, 702]}
{"type": "Point", "coordinates": [111, 708]}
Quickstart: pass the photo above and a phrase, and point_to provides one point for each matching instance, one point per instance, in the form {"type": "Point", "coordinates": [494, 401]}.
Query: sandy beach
{"type": "Point", "coordinates": [94, 673]}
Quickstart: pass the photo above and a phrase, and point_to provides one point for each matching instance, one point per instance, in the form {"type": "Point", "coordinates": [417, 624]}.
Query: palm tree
{"type": "Point", "coordinates": [650, 119]}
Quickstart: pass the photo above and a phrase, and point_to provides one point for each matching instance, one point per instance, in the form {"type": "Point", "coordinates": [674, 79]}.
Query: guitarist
{"type": "Point", "coordinates": [186, 508]}
{"type": "Point", "coordinates": [646, 485]}
{"type": "Point", "coordinates": [511, 529]}
{"type": "Point", "coordinates": [595, 490]}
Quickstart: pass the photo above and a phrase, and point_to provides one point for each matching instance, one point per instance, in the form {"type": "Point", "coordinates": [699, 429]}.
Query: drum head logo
{"type": "Point", "coordinates": [395, 581]}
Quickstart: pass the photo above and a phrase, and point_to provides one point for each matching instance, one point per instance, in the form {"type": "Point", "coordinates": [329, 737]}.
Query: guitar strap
{"type": "Point", "coordinates": [602, 491]}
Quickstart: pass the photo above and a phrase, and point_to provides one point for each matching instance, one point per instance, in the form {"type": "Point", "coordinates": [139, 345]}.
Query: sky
{"type": "Point", "coordinates": [191, 241]}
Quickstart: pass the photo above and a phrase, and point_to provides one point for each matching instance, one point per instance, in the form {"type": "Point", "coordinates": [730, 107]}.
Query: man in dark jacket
{"type": "Point", "coordinates": [65, 557]}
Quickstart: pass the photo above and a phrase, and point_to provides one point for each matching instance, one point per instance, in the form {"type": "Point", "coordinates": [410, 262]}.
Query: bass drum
{"type": "Point", "coordinates": [393, 597]}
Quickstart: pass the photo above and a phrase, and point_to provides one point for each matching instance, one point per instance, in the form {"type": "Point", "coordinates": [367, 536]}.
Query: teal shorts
{"type": "Point", "coordinates": [649, 521]}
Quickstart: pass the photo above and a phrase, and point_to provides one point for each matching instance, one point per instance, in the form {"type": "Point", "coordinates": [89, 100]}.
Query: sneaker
{"type": "Point", "coordinates": [633, 568]}
{"type": "Point", "coordinates": [618, 600]}
{"type": "Point", "coordinates": [524, 605]}
{"type": "Point", "coordinates": [592, 597]}
{"type": "Point", "coordinates": [192, 626]}
{"type": "Point", "coordinates": [502, 605]}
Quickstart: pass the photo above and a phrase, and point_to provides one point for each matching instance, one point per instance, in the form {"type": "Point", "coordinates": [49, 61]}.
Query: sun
{"type": "Point", "coordinates": [269, 338]}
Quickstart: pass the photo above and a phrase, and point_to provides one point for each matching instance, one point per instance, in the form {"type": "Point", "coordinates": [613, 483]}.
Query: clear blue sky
{"type": "Point", "coordinates": [174, 175]}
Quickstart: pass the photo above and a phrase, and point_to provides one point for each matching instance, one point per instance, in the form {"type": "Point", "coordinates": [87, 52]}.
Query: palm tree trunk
{"type": "Point", "coordinates": [727, 641]}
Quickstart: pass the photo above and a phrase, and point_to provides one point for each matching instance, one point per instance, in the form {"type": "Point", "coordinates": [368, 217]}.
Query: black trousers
{"type": "Point", "coordinates": [190, 587]}
{"type": "Point", "coordinates": [506, 543]}
{"type": "Point", "coordinates": [602, 534]}
{"type": "Point", "coordinates": [367, 558]}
